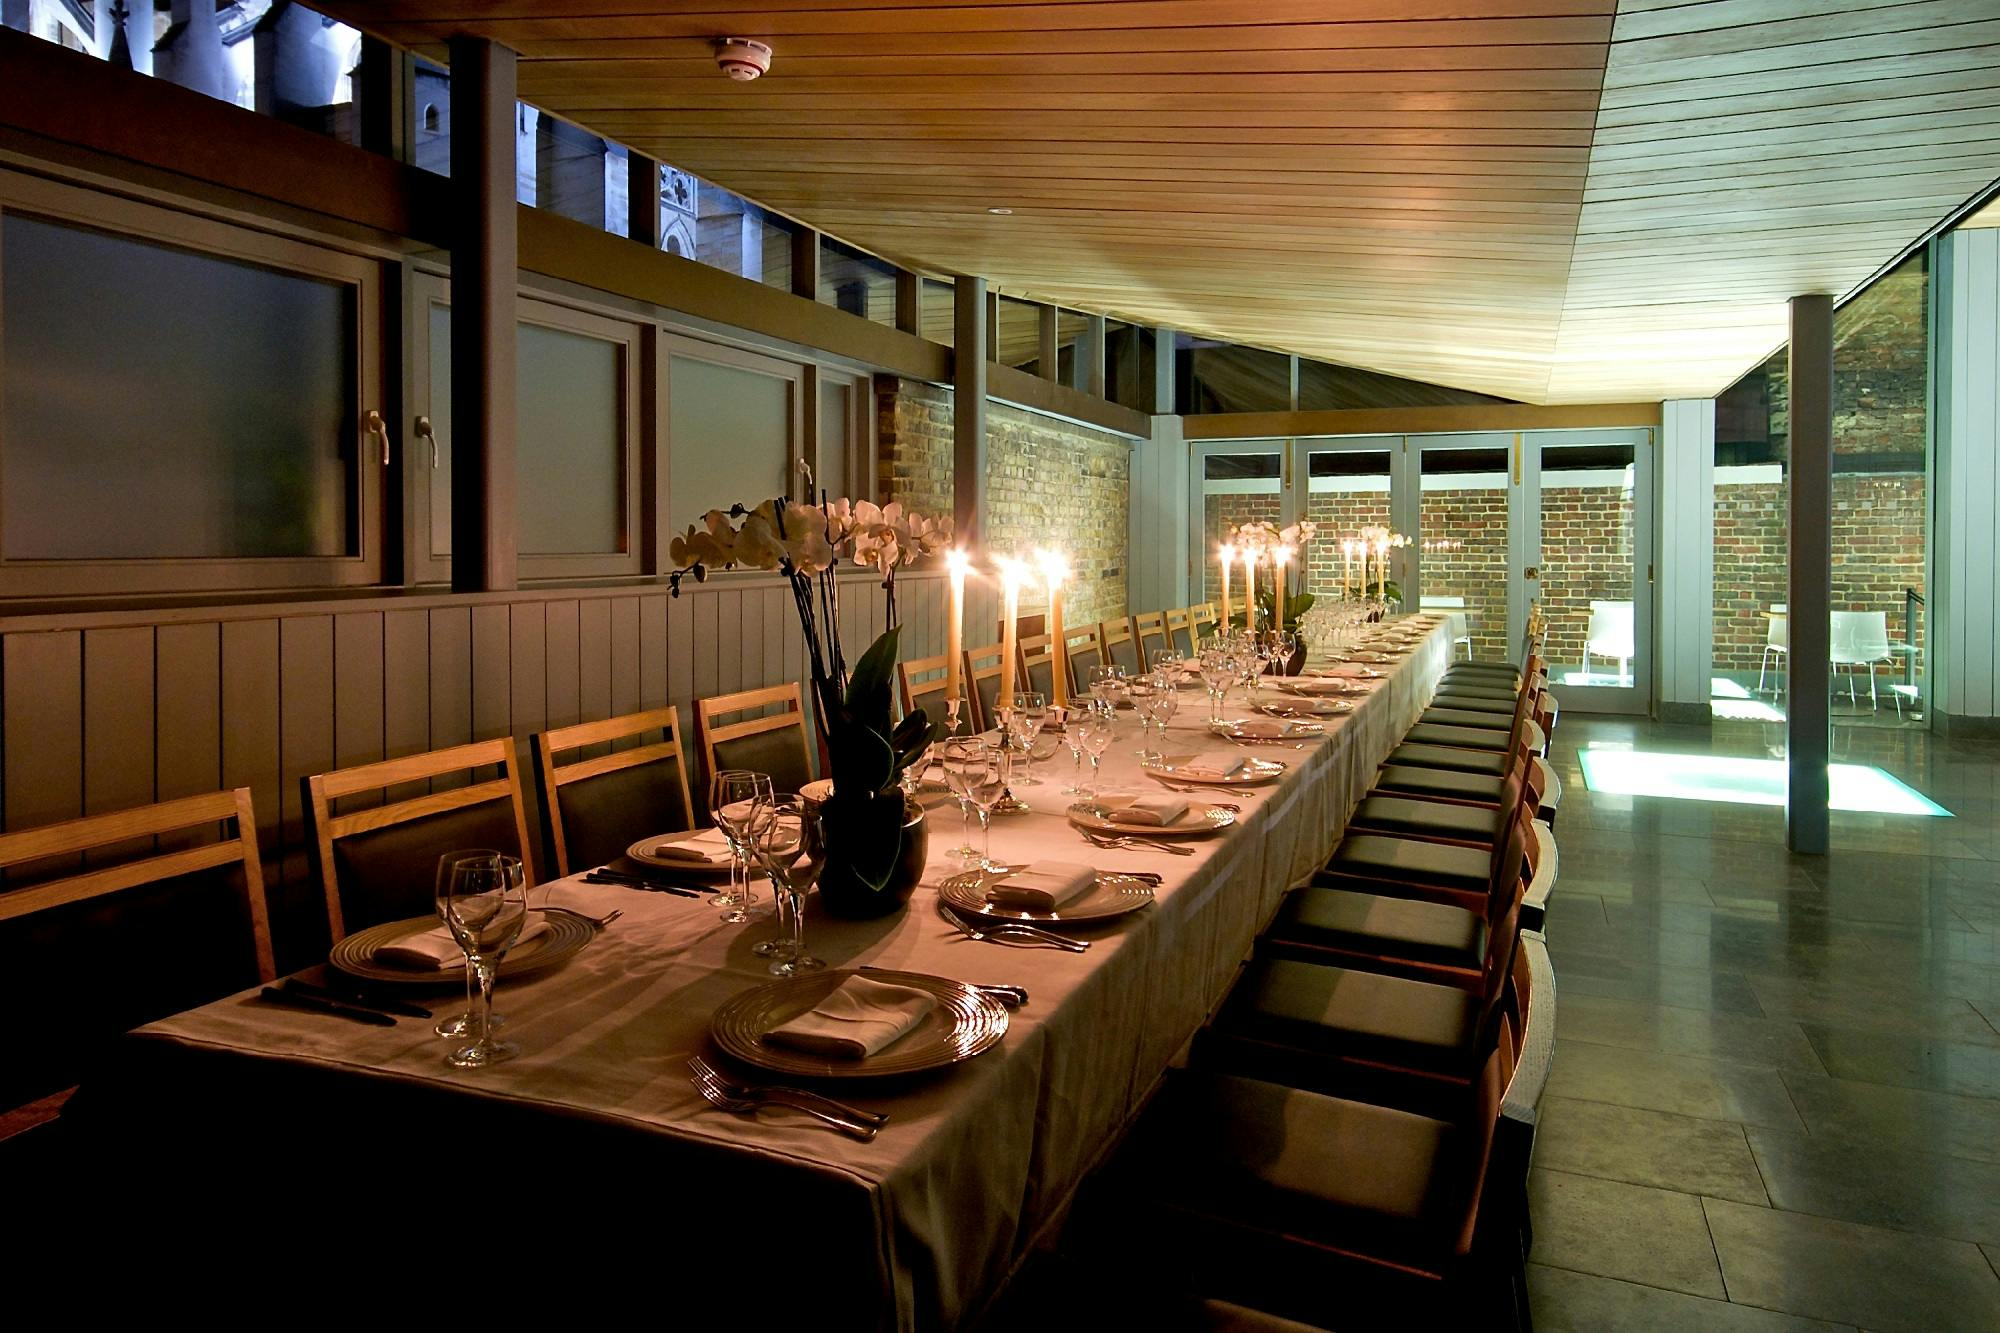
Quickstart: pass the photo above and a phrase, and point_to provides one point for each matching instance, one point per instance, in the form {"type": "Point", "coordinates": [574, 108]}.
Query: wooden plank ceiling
{"type": "Point", "coordinates": [1549, 200]}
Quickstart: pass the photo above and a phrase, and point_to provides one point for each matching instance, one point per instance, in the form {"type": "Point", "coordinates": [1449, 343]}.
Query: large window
{"type": "Point", "coordinates": [576, 434]}
{"type": "Point", "coordinates": [182, 404]}
{"type": "Point", "coordinates": [856, 282]}
{"type": "Point", "coordinates": [732, 427]}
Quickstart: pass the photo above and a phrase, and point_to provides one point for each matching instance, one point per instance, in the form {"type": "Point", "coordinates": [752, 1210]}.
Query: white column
{"type": "Point", "coordinates": [1964, 639]}
{"type": "Point", "coordinates": [1156, 530]}
{"type": "Point", "coordinates": [1685, 601]}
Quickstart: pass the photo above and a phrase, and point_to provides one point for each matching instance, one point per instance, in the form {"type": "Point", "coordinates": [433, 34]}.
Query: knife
{"type": "Point", "coordinates": [313, 1004]}
{"type": "Point", "coordinates": [634, 882]}
{"type": "Point", "coordinates": [300, 986]}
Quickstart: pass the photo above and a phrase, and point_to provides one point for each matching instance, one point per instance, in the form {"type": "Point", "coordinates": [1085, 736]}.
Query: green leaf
{"type": "Point", "coordinates": [865, 833]}
{"type": "Point", "coordinates": [913, 735]}
{"type": "Point", "coordinates": [868, 683]}
{"type": "Point", "coordinates": [862, 759]}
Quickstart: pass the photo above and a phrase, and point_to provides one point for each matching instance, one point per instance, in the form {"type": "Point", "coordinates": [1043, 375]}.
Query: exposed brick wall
{"type": "Point", "coordinates": [1048, 483]}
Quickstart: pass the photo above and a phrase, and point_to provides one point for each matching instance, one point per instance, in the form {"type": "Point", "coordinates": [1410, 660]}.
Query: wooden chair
{"type": "Point", "coordinates": [1203, 621]}
{"type": "Point", "coordinates": [1149, 628]}
{"type": "Point", "coordinates": [919, 693]}
{"type": "Point", "coordinates": [594, 807]}
{"type": "Point", "coordinates": [1180, 629]}
{"type": "Point", "coordinates": [1117, 647]}
{"type": "Point", "coordinates": [982, 679]}
{"type": "Point", "coordinates": [1038, 665]}
{"type": "Point", "coordinates": [773, 743]}
{"type": "Point", "coordinates": [1080, 650]}
{"type": "Point", "coordinates": [380, 863]}
{"type": "Point", "coordinates": [138, 933]}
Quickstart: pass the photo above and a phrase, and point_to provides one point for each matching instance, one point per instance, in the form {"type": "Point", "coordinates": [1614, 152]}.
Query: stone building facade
{"type": "Point", "coordinates": [1049, 483]}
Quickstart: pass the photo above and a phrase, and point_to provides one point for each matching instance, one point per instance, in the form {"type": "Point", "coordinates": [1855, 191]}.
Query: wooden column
{"type": "Point", "coordinates": [992, 324]}
{"type": "Point", "coordinates": [805, 263]}
{"type": "Point", "coordinates": [642, 199]}
{"type": "Point", "coordinates": [1095, 339]}
{"type": "Point", "coordinates": [484, 264]}
{"type": "Point", "coordinates": [909, 302]}
{"type": "Point", "coordinates": [971, 313]}
{"type": "Point", "coordinates": [388, 79]}
{"type": "Point", "coordinates": [1047, 357]}
{"type": "Point", "coordinates": [1809, 604]}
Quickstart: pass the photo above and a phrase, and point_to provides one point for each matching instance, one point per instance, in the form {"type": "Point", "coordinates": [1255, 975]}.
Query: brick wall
{"type": "Point", "coordinates": [1048, 483]}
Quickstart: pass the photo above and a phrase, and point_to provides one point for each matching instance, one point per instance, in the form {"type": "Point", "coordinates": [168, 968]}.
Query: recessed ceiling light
{"type": "Point", "coordinates": [1001, 212]}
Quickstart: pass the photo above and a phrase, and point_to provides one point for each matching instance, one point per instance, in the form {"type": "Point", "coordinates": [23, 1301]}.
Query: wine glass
{"type": "Point", "coordinates": [786, 838]}
{"type": "Point", "coordinates": [485, 904]}
{"type": "Point", "coordinates": [976, 770]}
{"type": "Point", "coordinates": [459, 1025]}
{"type": "Point", "coordinates": [1284, 643]}
{"type": "Point", "coordinates": [1030, 714]}
{"type": "Point", "coordinates": [1143, 693]}
{"type": "Point", "coordinates": [1081, 707]}
{"type": "Point", "coordinates": [1094, 735]}
{"type": "Point", "coordinates": [732, 794]}
{"type": "Point", "coordinates": [958, 777]}
{"type": "Point", "coordinates": [1165, 704]}
{"type": "Point", "coordinates": [1216, 673]}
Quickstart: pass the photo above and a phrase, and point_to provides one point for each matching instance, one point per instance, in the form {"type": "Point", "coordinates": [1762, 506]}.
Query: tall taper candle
{"type": "Point", "coordinates": [1055, 568]}
{"type": "Point", "coordinates": [1228, 556]}
{"type": "Point", "coordinates": [1250, 589]}
{"type": "Point", "coordinates": [954, 628]}
{"type": "Point", "coordinates": [1279, 558]}
{"type": "Point", "coordinates": [1010, 626]}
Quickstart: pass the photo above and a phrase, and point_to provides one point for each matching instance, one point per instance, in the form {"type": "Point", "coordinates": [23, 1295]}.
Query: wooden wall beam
{"type": "Point", "coordinates": [1045, 343]}
{"type": "Point", "coordinates": [971, 318]}
{"type": "Point", "coordinates": [805, 263]}
{"type": "Point", "coordinates": [909, 302]}
{"type": "Point", "coordinates": [642, 199]}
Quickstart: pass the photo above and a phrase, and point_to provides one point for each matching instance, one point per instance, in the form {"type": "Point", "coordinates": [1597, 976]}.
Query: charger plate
{"type": "Point", "coordinates": [1200, 820]}
{"type": "Point", "coordinates": [1115, 895]}
{"type": "Point", "coordinates": [355, 955]}
{"type": "Point", "coordinates": [965, 1023]}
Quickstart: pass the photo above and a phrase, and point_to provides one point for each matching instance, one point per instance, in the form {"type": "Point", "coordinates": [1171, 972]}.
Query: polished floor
{"type": "Point", "coordinates": [1776, 1095]}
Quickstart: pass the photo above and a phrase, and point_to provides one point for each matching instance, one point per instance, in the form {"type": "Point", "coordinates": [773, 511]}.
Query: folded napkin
{"type": "Point", "coordinates": [706, 848]}
{"type": "Point", "coordinates": [1268, 728]}
{"type": "Point", "coordinates": [1209, 767]}
{"type": "Point", "coordinates": [1321, 686]}
{"type": "Point", "coordinates": [1043, 886]}
{"type": "Point", "coordinates": [1152, 811]}
{"type": "Point", "coordinates": [436, 948]}
{"type": "Point", "coordinates": [858, 1019]}
{"type": "Point", "coordinates": [1343, 672]}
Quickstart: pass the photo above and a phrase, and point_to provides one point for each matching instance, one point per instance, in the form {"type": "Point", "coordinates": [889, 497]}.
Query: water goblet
{"type": "Point", "coordinates": [977, 771]}
{"type": "Point", "coordinates": [459, 1025]}
{"type": "Point", "coordinates": [1030, 714]}
{"type": "Point", "coordinates": [732, 794]}
{"type": "Point", "coordinates": [1216, 674]}
{"type": "Point", "coordinates": [1144, 694]}
{"type": "Point", "coordinates": [1094, 735]}
{"type": "Point", "coordinates": [485, 904]}
{"type": "Point", "coordinates": [787, 839]}
{"type": "Point", "coordinates": [1165, 704]}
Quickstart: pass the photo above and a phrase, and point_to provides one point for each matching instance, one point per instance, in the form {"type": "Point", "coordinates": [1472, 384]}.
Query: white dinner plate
{"type": "Point", "coordinates": [1113, 895]}
{"type": "Point", "coordinates": [1200, 820]}
{"type": "Point", "coordinates": [1254, 773]}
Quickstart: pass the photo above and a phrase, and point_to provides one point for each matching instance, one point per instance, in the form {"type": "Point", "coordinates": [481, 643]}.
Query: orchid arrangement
{"type": "Point", "coordinates": [806, 544]}
{"type": "Point", "coordinates": [1261, 537]}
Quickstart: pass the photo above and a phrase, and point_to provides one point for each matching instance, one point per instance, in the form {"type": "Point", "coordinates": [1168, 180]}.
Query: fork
{"type": "Point", "coordinates": [1006, 933]}
{"type": "Point", "coordinates": [599, 921]}
{"type": "Point", "coordinates": [1147, 876]}
{"type": "Point", "coordinates": [750, 1106]}
{"type": "Point", "coordinates": [1121, 843]}
{"type": "Point", "coordinates": [779, 1093]}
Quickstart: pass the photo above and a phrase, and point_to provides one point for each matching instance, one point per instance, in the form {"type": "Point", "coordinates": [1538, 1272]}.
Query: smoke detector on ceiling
{"type": "Point", "coordinates": [741, 58]}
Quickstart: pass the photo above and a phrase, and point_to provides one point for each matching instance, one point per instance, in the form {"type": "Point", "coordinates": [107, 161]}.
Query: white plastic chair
{"type": "Point", "coordinates": [1610, 635]}
{"type": "Point", "coordinates": [1777, 642]}
{"type": "Point", "coordinates": [1455, 619]}
{"type": "Point", "coordinates": [1859, 639]}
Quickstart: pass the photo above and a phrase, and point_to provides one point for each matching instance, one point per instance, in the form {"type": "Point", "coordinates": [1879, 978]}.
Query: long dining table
{"type": "Point", "coordinates": [595, 1130]}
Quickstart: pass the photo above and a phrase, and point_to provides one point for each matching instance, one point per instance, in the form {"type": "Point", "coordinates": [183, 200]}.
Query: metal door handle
{"type": "Point", "coordinates": [377, 426]}
{"type": "Point", "coordinates": [1532, 572]}
{"type": "Point", "coordinates": [424, 432]}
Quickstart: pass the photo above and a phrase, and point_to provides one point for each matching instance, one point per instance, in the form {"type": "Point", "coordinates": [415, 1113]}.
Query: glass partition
{"type": "Point", "coordinates": [855, 282]}
{"type": "Point", "coordinates": [1240, 482]}
{"type": "Point", "coordinates": [1347, 489]}
{"type": "Point", "coordinates": [1588, 574]}
{"type": "Point", "coordinates": [937, 311]}
{"type": "Point", "coordinates": [729, 431]}
{"type": "Point", "coordinates": [1018, 342]}
{"type": "Point", "coordinates": [1462, 534]}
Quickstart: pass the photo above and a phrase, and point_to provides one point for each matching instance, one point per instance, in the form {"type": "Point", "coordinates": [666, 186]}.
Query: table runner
{"type": "Point", "coordinates": [917, 1229]}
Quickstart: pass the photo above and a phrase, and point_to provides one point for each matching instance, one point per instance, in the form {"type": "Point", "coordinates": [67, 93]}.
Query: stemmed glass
{"type": "Point", "coordinates": [459, 1025]}
{"type": "Point", "coordinates": [1094, 735]}
{"type": "Point", "coordinates": [1081, 707]}
{"type": "Point", "coordinates": [1216, 673]}
{"type": "Point", "coordinates": [1144, 693]}
{"type": "Point", "coordinates": [1165, 704]}
{"type": "Point", "coordinates": [1030, 714]}
{"type": "Point", "coordinates": [787, 840]}
{"type": "Point", "coordinates": [485, 903]}
{"type": "Point", "coordinates": [1284, 643]}
{"type": "Point", "coordinates": [975, 770]}
{"type": "Point", "coordinates": [732, 795]}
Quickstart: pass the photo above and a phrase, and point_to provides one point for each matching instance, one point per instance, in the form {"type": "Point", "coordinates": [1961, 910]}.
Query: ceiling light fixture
{"type": "Point", "coordinates": [1001, 212]}
{"type": "Point", "coordinates": [741, 58]}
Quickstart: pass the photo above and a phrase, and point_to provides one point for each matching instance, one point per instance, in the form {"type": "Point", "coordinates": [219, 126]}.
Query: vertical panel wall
{"type": "Point", "coordinates": [1965, 380]}
{"type": "Point", "coordinates": [119, 710]}
{"type": "Point", "coordinates": [1157, 529]}
{"type": "Point", "coordinates": [1686, 473]}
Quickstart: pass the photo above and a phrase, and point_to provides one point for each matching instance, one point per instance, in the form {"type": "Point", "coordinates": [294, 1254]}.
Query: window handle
{"type": "Point", "coordinates": [377, 426]}
{"type": "Point", "coordinates": [424, 432]}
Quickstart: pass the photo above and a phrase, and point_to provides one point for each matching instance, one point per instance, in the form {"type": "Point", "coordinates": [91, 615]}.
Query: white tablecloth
{"type": "Point", "coordinates": [929, 1219]}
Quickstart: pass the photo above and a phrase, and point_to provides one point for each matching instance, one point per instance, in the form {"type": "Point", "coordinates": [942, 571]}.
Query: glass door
{"type": "Point", "coordinates": [1590, 545]}
{"type": "Point", "coordinates": [1470, 563]}
{"type": "Point", "coordinates": [1235, 482]}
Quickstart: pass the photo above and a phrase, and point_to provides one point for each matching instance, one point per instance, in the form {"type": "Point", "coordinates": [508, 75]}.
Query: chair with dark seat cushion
{"type": "Point", "coordinates": [773, 743]}
{"type": "Point", "coordinates": [1149, 631]}
{"type": "Point", "coordinates": [1181, 631]}
{"type": "Point", "coordinates": [1372, 858]}
{"type": "Point", "coordinates": [1461, 738]}
{"type": "Point", "coordinates": [1422, 816]}
{"type": "Point", "coordinates": [1489, 763]}
{"type": "Point", "coordinates": [1438, 715]}
{"type": "Point", "coordinates": [596, 805]}
{"type": "Point", "coordinates": [982, 684]}
{"type": "Point", "coordinates": [922, 683]}
{"type": "Point", "coordinates": [168, 913]}
{"type": "Point", "coordinates": [1439, 784]}
{"type": "Point", "coordinates": [1080, 649]}
{"type": "Point", "coordinates": [1037, 666]}
{"type": "Point", "coordinates": [1116, 645]}
{"type": "Point", "coordinates": [379, 863]}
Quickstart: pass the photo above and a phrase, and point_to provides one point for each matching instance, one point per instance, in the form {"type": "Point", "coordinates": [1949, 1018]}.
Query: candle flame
{"type": "Point", "coordinates": [1013, 572]}
{"type": "Point", "coordinates": [1283, 555]}
{"type": "Point", "coordinates": [1054, 566]}
{"type": "Point", "coordinates": [957, 561]}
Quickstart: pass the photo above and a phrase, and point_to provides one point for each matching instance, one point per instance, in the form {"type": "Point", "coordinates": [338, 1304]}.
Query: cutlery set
{"type": "Point", "coordinates": [1126, 842]}
{"type": "Point", "coordinates": [748, 1099]}
{"type": "Point", "coordinates": [1010, 932]}
{"type": "Point", "coordinates": [606, 875]}
{"type": "Point", "coordinates": [298, 993]}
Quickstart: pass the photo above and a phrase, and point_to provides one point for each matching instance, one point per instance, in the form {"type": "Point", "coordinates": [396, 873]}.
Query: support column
{"type": "Point", "coordinates": [1046, 355]}
{"type": "Point", "coordinates": [1809, 608]}
{"type": "Point", "coordinates": [970, 311]}
{"type": "Point", "coordinates": [485, 260]}
{"type": "Point", "coordinates": [1095, 341]}
{"type": "Point", "coordinates": [805, 263]}
{"type": "Point", "coordinates": [909, 302]}
{"type": "Point", "coordinates": [642, 199]}
{"type": "Point", "coordinates": [1163, 371]}
{"type": "Point", "coordinates": [387, 97]}
{"type": "Point", "coordinates": [1685, 474]}
{"type": "Point", "coordinates": [1961, 639]}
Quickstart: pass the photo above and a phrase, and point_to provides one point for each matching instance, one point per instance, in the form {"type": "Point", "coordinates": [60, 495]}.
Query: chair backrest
{"type": "Point", "coordinates": [594, 806]}
{"type": "Point", "coordinates": [1081, 650]}
{"type": "Point", "coordinates": [152, 923]}
{"type": "Point", "coordinates": [1117, 647]}
{"type": "Point", "coordinates": [1855, 637]}
{"type": "Point", "coordinates": [773, 743]}
{"type": "Point", "coordinates": [1482, 1196]}
{"type": "Point", "coordinates": [1149, 630]}
{"type": "Point", "coordinates": [1533, 1001]}
{"type": "Point", "coordinates": [1441, 603]}
{"type": "Point", "coordinates": [379, 864]}
{"type": "Point", "coordinates": [1611, 629]}
{"type": "Point", "coordinates": [1202, 619]}
{"type": "Point", "coordinates": [1777, 628]}
{"type": "Point", "coordinates": [1180, 629]}
{"type": "Point", "coordinates": [923, 680]}
{"type": "Point", "coordinates": [1037, 664]}
{"type": "Point", "coordinates": [982, 679]}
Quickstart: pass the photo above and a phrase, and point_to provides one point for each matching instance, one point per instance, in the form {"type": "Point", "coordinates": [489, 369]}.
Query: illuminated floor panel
{"type": "Point", "coordinates": [1702, 777]}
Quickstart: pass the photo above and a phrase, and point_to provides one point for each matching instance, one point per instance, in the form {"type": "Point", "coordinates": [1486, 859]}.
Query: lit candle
{"type": "Point", "coordinates": [1382, 570]}
{"type": "Point", "coordinates": [954, 629]}
{"type": "Point", "coordinates": [1279, 559]}
{"type": "Point", "coordinates": [1228, 557]}
{"type": "Point", "coordinates": [1055, 568]}
{"type": "Point", "coordinates": [1011, 573]}
{"type": "Point", "coordinates": [1347, 568]}
{"type": "Point", "coordinates": [1250, 589]}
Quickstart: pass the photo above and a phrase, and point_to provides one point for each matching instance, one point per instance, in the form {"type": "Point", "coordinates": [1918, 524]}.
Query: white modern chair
{"type": "Point", "coordinates": [1610, 636]}
{"type": "Point", "coordinates": [1777, 642]}
{"type": "Point", "coordinates": [1460, 624]}
{"type": "Point", "coordinates": [1859, 639]}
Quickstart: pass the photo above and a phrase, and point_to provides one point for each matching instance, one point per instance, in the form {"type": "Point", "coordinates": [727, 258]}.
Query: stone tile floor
{"type": "Point", "coordinates": [1776, 1095]}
